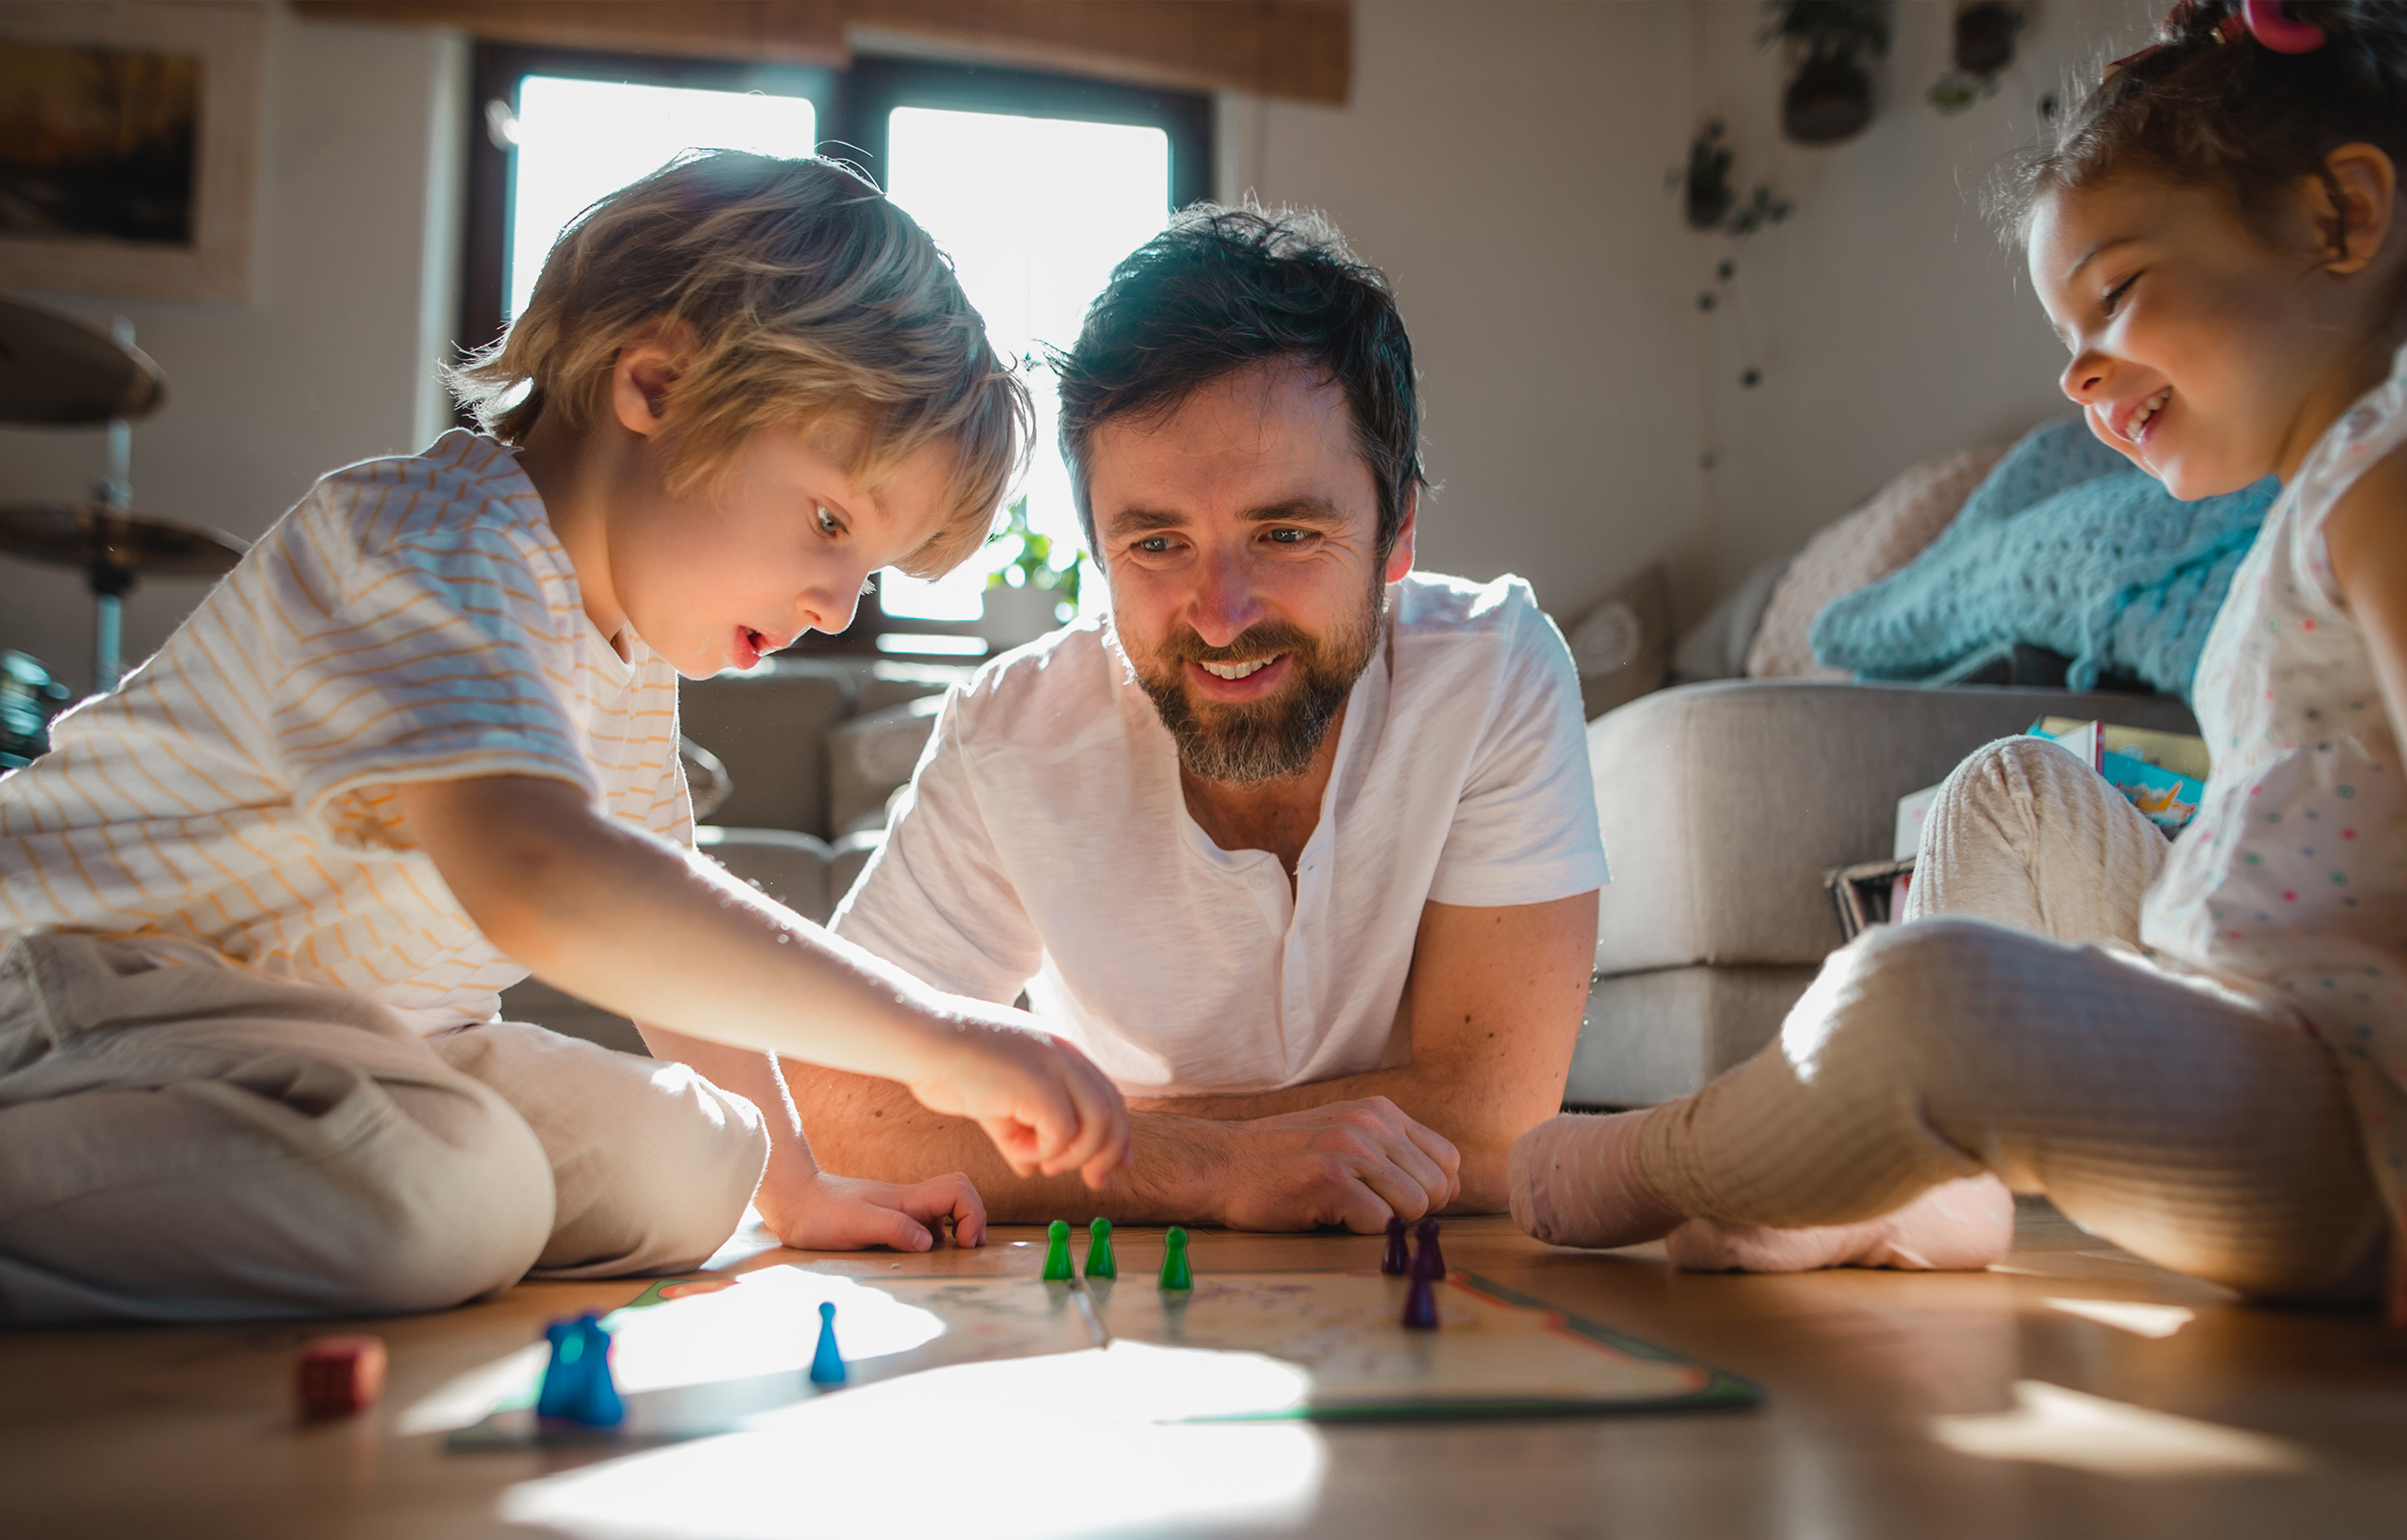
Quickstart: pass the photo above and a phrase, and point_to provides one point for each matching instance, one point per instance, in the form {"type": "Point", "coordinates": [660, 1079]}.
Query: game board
{"type": "Point", "coordinates": [697, 1356]}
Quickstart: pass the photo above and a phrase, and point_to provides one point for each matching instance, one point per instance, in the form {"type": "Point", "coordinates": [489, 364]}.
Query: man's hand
{"type": "Point", "coordinates": [1350, 1162]}
{"type": "Point", "coordinates": [1045, 1106]}
{"type": "Point", "coordinates": [823, 1212]}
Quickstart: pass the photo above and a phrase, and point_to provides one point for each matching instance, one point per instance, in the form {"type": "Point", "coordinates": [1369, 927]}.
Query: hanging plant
{"type": "Point", "coordinates": [1710, 201]}
{"type": "Point", "coordinates": [1829, 44]}
{"type": "Point", "coordinates": [1984, 45]}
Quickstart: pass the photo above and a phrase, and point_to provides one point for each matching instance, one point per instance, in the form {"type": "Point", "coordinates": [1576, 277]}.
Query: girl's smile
{"type": "Point", "coordinates": [2208, 353]}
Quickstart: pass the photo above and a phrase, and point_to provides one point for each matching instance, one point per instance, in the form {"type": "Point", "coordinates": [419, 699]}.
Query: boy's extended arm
{"type": "Point", "coordinates": [621, 918]}
{"type": "Point", "coordinates": [804, 1206]}
{"type": "Point", "coordinates": [1496, 1000]}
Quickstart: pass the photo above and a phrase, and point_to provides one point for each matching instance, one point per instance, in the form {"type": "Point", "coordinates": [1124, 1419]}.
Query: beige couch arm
{"type": "Point", "coordinates": [1725, 804]}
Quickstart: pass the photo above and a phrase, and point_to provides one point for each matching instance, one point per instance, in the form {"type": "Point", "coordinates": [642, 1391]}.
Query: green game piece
{"type": "Point", "coordinates": [1099, 1250]}
{"type": "Point", "coordinates": [1174, 1274]}
{"type": "Point", "coordinates": [1058, 1269]}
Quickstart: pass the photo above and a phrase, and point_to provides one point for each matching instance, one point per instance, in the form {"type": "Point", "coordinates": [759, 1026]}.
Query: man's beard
{"type": "Point", "coordinates": [1267, 740]}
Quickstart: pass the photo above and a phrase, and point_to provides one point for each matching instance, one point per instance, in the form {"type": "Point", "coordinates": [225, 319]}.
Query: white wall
{"type": "Point", "coordinates": [1888, 321]}
{"type": "Point", "coordinates": [330, 362]}
{"type": "Point", "coordinates": [1503, 159]}
{"type": "Point", "coordinates": [1506, 161]}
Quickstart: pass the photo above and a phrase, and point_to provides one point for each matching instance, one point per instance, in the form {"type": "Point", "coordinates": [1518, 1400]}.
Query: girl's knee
{"type": "Point", "coordinates": [1905, 993]}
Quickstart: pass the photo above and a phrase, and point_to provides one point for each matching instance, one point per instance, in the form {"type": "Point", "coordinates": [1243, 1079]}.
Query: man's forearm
{"type": "Point", "coordinates": [865, 1127]}
{"type": "Point", "coordinates": [1458, 1105]}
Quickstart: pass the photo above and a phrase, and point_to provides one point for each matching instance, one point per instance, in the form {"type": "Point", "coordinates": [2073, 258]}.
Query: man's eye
{"type": "Point", "coordinates": [1289, 537]}
{"type": "Point", "coordinates": [1153, 544]}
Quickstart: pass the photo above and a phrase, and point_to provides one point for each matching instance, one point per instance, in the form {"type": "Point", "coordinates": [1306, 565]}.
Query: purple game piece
{"type": "Point", "coordinates": [1420, 1303]}
{"type": "Point", "coordinates": [1427, 1258]}
{"type": "Point", "coordinates": [1397, 1259]}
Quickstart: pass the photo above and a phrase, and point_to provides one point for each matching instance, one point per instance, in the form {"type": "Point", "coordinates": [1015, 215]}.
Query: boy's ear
{"type": "Point", "coordinates": [2358, 203]}
{"type": "Point", "coordinates": [645, 373]}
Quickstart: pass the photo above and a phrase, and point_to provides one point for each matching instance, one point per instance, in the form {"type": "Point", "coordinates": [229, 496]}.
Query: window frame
{"type": "Point", "coordinates": [852, 106]}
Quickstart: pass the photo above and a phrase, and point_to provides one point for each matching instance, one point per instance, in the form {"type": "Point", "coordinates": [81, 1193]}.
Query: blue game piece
{"type": "Point", "coordinates": [601, 1406]}
{"type": "Point", "coordinates": [564, 1375]}
{"type": "Point", "coordinates": [577, 1383]}
{"type": "Point", "coordinates": [1397, 1259]}
{"type": "Point", "coordinates": [827, 1365]}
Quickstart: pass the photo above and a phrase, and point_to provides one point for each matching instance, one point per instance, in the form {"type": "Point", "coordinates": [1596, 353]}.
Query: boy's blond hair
{"type": "Point", "coordinates": [806, 296]}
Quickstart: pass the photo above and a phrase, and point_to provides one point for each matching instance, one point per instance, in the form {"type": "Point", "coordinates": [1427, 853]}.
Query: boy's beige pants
{"type": "Point", "coordinates": [206, 1143]}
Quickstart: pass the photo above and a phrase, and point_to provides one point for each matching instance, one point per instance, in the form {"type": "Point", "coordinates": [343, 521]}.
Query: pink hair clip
{"type": "Point", "coordinates": [2275, 28]}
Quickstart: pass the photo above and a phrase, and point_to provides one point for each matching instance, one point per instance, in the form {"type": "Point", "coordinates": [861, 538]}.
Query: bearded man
{"type": "Point", "coordinates": [1300, 845]}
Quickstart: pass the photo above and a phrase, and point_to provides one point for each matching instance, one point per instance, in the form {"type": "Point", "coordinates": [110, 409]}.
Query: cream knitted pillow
{"type": "Point", "coordinates": [1866, 546]}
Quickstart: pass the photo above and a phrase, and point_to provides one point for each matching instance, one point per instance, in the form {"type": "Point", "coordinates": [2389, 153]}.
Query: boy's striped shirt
{"type": "Point", "coordinates": [410, 620]}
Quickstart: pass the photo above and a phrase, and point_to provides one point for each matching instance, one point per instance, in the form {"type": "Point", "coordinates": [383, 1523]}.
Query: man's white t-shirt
{"type": "Point", "coordinates": [1046, 843]}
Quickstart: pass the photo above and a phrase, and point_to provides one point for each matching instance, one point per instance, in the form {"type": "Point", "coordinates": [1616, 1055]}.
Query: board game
{"type": "Point", "coordinates": [703, 1355]}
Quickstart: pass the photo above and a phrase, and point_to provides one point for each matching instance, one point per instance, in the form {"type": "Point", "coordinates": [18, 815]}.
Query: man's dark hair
{"type": "Point", "coordinates": [1221, 289]}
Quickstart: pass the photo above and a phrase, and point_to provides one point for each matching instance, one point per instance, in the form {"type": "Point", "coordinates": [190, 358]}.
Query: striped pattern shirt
{"type": "Point", "coordinates": [410, 620]}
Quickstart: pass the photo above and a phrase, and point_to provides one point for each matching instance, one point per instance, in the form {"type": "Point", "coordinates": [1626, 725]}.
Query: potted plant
{"type": "Point", "coordinates": [1831, 44]}
{"type": "Point", "coordinates": [1028, 595]}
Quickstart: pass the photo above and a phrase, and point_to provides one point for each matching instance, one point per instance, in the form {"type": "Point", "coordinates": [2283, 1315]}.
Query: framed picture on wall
{"type": "Point", "coordinates": [129, 147]}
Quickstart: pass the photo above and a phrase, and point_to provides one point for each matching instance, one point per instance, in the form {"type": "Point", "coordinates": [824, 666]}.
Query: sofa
{"type": "Point", "coordinates": [1729, 797]}
{"type": "Point", "coordinates": [1725, 804]}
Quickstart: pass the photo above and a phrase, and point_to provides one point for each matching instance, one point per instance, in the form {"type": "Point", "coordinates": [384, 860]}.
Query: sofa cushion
{"type": "Point", "coordinates": [1716, 647]}
{"type": "Point", "coordinates": [1723, 804]}
{"type": "Point", "coordinates": [790, 869]}
{"type": "Point", "coordinates": [1651, 1037]}
{"type": "Point", "coordinates": [2110, 569]}
{"type": "Point", "coordinates": [771, 729]}
{"type": "Point", "coordinates": [1875, 540]}
{"type": "Point", "coordinates": [871, 756]}
{"type": "Point", "coordinates": [1623, 645]}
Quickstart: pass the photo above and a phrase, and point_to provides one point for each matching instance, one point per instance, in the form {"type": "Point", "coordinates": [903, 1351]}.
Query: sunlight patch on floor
{"type": "Point", "coordinates": [2128, 1315]}
{"type": "Point", "coordinates": [1064, 1445]}
{"type": "Point", "coordinates": [2053, 1426]}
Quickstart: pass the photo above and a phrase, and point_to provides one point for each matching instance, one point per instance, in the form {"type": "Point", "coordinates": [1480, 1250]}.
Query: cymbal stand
{"type": "Point", "coordinates": [109, 582]}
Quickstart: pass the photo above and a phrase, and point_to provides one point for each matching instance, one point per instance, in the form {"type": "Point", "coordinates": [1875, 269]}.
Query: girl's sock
{"type": "Point", "coordinates": [1960, 1226]}
{"type": "Point", "coordinates": [1571, 1182]}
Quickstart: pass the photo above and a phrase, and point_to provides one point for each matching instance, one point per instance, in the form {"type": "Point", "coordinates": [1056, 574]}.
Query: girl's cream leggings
{"type": "Point", "coordinates": [2014, 1027]}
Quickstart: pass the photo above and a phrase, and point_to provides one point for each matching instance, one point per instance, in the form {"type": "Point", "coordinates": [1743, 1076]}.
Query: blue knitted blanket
{"type": "Point", "coordinates": [2066, 546]}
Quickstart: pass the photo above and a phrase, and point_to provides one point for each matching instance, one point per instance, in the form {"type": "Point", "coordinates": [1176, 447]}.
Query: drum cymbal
{"type": "Point", "coordinates": [90, 536]}
{"type": "Point", "coordinates": [60, 373]}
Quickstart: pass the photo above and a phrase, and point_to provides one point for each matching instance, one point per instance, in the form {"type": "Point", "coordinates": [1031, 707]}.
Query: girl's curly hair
{"type": "Point", "coordinates": [2210, 105]}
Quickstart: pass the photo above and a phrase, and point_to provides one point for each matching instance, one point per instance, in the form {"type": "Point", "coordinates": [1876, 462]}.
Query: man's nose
{"type": "Point", "coordinates": [1226, 602]}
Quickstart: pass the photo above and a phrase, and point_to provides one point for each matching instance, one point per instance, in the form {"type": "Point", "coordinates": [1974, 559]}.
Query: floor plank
{"type": "Point", "coordinates": [1963, 1405]}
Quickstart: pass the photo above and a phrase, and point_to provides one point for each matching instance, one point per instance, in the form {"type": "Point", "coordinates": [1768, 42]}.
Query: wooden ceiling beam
{"type": "Point", "coordinates": [1302, 50]}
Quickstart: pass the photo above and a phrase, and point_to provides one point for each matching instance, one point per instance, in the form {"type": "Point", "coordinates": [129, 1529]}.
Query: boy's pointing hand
{"type": "Point", "coordinates": [1045, 1106]}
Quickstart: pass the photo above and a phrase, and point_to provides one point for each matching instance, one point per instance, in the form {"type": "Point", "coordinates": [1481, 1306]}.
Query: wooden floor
{"type": "Point", "coordinates": [2033, 1401]}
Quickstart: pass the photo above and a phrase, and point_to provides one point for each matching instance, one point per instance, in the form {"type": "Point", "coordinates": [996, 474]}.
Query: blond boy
{"type": "Point", "coordinates": [256, 907]}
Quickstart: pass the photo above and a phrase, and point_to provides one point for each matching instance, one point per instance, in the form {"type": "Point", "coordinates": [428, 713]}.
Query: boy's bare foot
{"type": "Point", "coordinates": [1571, 1182]}
{"type": "Point", "coordinates": [1956, 1226]}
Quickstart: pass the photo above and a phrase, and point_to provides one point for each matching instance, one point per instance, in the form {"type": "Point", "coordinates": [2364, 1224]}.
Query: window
{"type": "Point", "coordinates": [1034, 184]}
